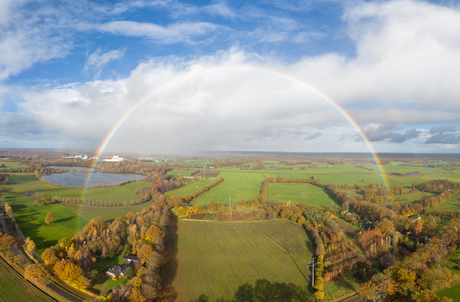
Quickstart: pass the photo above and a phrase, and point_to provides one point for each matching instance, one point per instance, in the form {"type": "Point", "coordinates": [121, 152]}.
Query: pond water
{"type": "Point", "coordinates": [79, 179]}
{"type": "Point", "coordinates": [414, 174]}
{"type": "Point", "coordinates": [70, 168]}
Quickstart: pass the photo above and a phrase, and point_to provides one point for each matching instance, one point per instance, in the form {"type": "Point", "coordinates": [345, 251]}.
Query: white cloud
{"type": "Point", "coordinates": [97, 61]}
{"type": "Point", "coordinates": [29, 37]}
{"type": "Point", "coordinates": [220, 9]}
{"type": "Point", "coordinates": [404, 72]}
{"type": "Point", "coordinates": [177, 32]}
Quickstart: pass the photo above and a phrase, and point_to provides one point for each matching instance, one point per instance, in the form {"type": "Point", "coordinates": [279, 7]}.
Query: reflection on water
{"type": "Point", "coordinates": [79, 179]}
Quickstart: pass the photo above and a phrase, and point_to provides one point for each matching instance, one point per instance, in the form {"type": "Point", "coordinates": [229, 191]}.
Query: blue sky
{"type": "Point", "coordinates": [70, 70]}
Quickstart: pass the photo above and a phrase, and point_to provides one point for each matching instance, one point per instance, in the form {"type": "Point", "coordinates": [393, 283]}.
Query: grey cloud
{"type": "Point", "coordinates": [442, 129]}
{"type": "Point", "coordinates": [401, 138]}
{"type": "Point", "coordinates": [445, 134]}
{"type": "Point", "coordinates": [313, 136]}
{"type": "Point", "coordinates": [382, 132]}
{"type": "Point", "coordinates": [444, 138]}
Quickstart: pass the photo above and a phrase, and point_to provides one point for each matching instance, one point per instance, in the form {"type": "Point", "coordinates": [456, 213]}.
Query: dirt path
{"type": "Point", "coordinates": [168, 292]}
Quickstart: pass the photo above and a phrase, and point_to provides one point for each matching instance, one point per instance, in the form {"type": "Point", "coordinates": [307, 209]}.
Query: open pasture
{"type": "Point", "coordinates": [214, 258]}
{"type": "Point", "coordinates": [107, 214]}
{"type": "Point", "coordinates": [238, 185]}
{"type": "Point", "coordinates": [69, 219]}
{"type": "Point", "coordinates": [191, 188]}
{"type": "Point", "coordinates": [11, 165]}
{"type": "Point", "coordinates": [452, 204]}
{"type": "Point", "coordinates": [299, 193]}
{"type": "Point", "coordinates": [208, 173]}
{"type": "Point", "coordinates": [452, 292]}
{"type": "Point", "coordinates": [413, 197]}
{"type": "Point", "coordinates": [31, 221]}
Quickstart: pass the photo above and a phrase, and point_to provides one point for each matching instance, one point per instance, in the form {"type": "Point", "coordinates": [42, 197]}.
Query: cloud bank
{"type": "Point", "coordinates": [400, 83]}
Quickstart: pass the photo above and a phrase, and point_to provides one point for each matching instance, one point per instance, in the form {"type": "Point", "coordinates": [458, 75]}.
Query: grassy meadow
{"type": "Point", "coordinates": [299, 193]}
{"type": "Point", "coordinates": [69, 218]}
{"type": "Point", "coordinates": [15, 193]}
{"type": "Point", "coordinates": [452, 292]}
{"type": "Point", "coordinates": [245, 184]}
{"type": "Point", "coordinates": [11, 165]}
{"type": "Point", "coordinates": [452, 204]}
{"type": "Point", "coordinates": [214, 258]}
{"type": "Point", "coordinates": [31, 221]}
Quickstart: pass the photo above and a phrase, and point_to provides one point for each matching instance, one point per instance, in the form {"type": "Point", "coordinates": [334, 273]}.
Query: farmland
{"type": "Point", "coordinates": [299, 193]}
{"type": "Point", "coordinates": [69, 219]}
{"type": "Point", "coordinates": [13, 287]}
{"type": "Point", "coordinates": [11, 165]}
{"type": "Point", "coordinates": [31, 220]}
{"type": "Point", "coordinates": [27, 183]}
{"type": "Point", "coordinates": [452, 292]}
{"type": "Point", "coordinates": [237, 184]}
{"type": "Point", "coordinates": [214, 258]}
{"type": "Point", "coordinates": [452, 204]}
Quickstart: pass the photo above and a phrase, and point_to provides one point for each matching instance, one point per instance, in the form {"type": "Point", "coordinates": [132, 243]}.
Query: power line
{"type": "Point", "coordinates": [313, 270]}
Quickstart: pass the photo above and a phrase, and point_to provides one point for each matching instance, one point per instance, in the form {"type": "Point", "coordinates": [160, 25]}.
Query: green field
{"type": "Point", "coordinates": [299, 193]}
{"type": "Point", "coordinates": [452, 292]}
{"type": "Point", "coordinates": [106, 213]}
{"type": "Point", "coordinates": [245, 184]}
{"type": "Point", "coordinates": [239, 185]}
{"type": "Point", "coordinates": [413, 197]}
{"type": "Point", "coordinates": [27, 183]}
{"type": "Point", "coordinates": [191, 188]}
{"type": "Point", "coordinates": [214, 258]}
{"type": "Point", "coordinates": [452, 204]}
{"type": "Point", "coordinates": [13, 287]}
{"type": "Point", "coordinates": [69, 218]}
{"type": "Point", "coordinates": [31, 221]}
{"type": "Point", "coordinates": [11, 165]}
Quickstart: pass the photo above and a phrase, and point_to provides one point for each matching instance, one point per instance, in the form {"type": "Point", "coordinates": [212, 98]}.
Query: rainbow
{"type": "Point", "coordinates": [244, 68]}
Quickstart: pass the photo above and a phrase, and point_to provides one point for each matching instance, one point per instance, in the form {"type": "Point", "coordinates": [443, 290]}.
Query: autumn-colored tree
{"type": "Point", "coordinates": [319, 294]}
{"type": "Point", "coordinates": [432, 225]}
{"type": "Point", "coordinates": [386, 226]}
{"type": "Point", "coordinates": [34, 272]}
{"type": "Point", "coordinates": [37, 202]}
{"type": "Point", "coordinates": [50, 258]}
{"type": "Point", "coordinates": [29, 245]}
{"type": "Point", "coordinates": [212, 206]}
{"type": "Point", "coordinates": [49, 218]}
{"type": "Point", "coordinates": [369, 290]}
{"type": "Point", "coordinates": [9, 211]}
{"type": "Point", "coordinates": [136, 295]}
{"type": "Point", "coordinates": [152, 233]}
{"type": "Point", "coordinates": [144, 252]}
{"type": "Point", "coordinates": [69, 272]}
{"type": "Point", "coordinates": [7, 241]}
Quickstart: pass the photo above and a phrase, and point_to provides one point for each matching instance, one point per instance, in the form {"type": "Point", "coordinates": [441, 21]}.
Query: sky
{"type": "Point", "coordinates": [188, 76]}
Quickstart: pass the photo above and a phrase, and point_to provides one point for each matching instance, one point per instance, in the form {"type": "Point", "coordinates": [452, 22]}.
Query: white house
{"type": "Point", "coordinates": [115, 158]}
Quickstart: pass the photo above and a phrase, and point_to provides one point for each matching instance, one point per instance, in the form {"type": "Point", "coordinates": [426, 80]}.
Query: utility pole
{"type": "Point", "coordinates": [313, 264]}
{"type": "Point", "coordinates": [230, 202]}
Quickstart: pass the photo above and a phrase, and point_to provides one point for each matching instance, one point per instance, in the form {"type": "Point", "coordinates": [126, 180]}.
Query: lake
{"type": "Point", "coordinates": [79, 179]}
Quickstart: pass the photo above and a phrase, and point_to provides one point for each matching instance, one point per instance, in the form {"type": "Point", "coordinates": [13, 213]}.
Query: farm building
{"type": "Point", "coordinates": [130, 258]}
{"type": "Point", "coordinates": [415, 217]}
{"type": "Point", "coordinates": [119, 271]}
{"type": "Point", "coordinates": [115, 158]}
{"type": "Point", "coordinates": [113, 272]}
